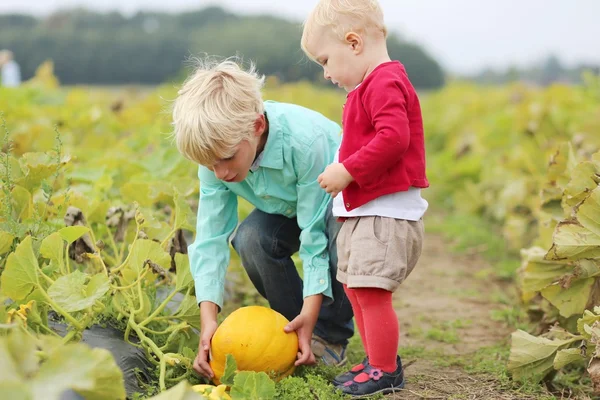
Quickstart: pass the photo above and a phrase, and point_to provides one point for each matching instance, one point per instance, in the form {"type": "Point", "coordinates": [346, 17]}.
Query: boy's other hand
{"type": "Point", "coordinates": [303, 325]}
{"type": "Point", "coordinates": [335, 178]}
{"type": "Point", "coordinates": [208, 327]}
{"type": "Point", "coordinates": [201, 365]}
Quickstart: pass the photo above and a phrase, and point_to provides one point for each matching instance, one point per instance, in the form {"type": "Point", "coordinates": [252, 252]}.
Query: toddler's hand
{"type": "Point", "coordinates": [335, 178]}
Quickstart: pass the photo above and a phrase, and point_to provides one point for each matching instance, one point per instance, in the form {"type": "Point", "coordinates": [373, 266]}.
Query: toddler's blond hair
{"type": "Point", "coordinates": [343, 16]}
{"type": "Point", "coordinates": [216, 110]}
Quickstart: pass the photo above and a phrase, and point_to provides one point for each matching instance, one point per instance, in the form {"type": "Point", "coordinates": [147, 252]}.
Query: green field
{"type": "Point", "coordinates": [97, 208]}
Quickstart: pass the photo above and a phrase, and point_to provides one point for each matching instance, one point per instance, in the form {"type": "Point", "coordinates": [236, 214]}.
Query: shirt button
{"type": "Point", "coordinates": [323, 255]}
{"type": "Point", "coordinates": [289, 211]}
{"type": "Point", "coordinates": [322, 281]}
{"type": "Point", "coordinates": [348, 205]}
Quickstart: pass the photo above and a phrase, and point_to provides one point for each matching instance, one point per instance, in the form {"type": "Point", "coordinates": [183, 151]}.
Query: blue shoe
{"type": "Point", "coordinates": [373, 381]}
{"type": "Point", "coordinates": [348, 376]}
{"type": "Point", "coordinates": [328, 353]}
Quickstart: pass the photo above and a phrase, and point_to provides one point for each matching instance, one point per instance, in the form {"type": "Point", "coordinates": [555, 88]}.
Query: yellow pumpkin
{"type": "Point", "coordinates": [212, 392]}
{"type": "Point", "coordinates": [254, 336]}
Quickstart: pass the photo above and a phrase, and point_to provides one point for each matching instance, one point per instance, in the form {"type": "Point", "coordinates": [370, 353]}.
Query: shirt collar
{"type": "Point", "coordinates": [272, 154]}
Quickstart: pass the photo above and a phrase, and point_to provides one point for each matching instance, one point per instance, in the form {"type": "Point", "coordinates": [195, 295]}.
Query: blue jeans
{"type": "Point", "coordinates": [266, 243]}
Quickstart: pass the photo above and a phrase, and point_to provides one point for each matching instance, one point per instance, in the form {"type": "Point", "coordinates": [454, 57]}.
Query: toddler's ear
{"type": "Point", "coordinates": [355, 41]}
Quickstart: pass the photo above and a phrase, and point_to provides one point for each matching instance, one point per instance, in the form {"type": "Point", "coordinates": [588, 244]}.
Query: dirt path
{"type": "Point", "coordinates": [445, 310]}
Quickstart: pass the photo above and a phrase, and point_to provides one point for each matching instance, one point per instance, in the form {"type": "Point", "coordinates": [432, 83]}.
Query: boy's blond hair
{"type": "Point", "coordinates": [216, 110]}
{"type": "Point", "coordinates": [343, 16]}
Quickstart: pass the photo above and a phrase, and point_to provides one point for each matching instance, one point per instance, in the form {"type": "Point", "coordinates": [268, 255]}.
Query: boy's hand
{"type": "Point", "coordinates": [208, 324]}
{"type": "Point", "coordinates": [335, 178]}
{"type": "Point", "coordinates": [304, 324]}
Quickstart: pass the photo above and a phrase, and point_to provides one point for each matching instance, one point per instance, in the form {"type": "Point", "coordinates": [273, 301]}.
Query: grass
{"type": "Point", "coordinates": [470, 234]}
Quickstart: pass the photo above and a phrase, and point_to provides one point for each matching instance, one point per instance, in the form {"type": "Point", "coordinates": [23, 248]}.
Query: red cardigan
{"type": "Point", "coordinates": [382, 144]}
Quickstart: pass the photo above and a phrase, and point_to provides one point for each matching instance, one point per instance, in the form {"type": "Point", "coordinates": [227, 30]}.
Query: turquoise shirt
{"type": "Point", "coordinates": [301, 143]}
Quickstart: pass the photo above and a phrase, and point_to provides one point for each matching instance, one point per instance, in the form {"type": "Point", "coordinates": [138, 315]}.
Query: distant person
{"type": "Point", "coordinates": [9, 69]}
{"type": "Point", "coordinates": [376, 180]}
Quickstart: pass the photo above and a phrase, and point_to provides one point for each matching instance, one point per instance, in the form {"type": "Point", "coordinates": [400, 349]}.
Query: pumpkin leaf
{"type": "Point", "coordinates": [584, 178]}
{"type": "Point", "coordinates": [572, 300]}
{"type": "Point", "coordinates": [230, 370]}
{"type": "Point", "coordinates": [20, 275]}
{"type": "Point", "coordinates": [532, 358]}
{"type": "Point", "coordinates": [72, 293]}
{"type": "Point", "coordinates": [250, 385]}
{"type": "Point", "coordinates": [567, 356]}
{"type": "Point", "coordinates": [182, 391]}
{"type": "Point", "coordinates": [145, 249]}
{"type": "Point", "coordinates": [23, 203]}
{"type": "Point", "coordinates": [6, 240]}
{"type": "Point", "coordinates": [184, 217]}
{"type": "Point", "coordinates": [53, 247]}
{"type": "Point", "coordinates": [538, 273]}
{"type": "Point", "coordinates": [189, 311]}
{"type": "Point", "coordinates": [72, 233]}
{"type": "Point", "coordinates": [573, 241]}
{"type": "Point", "coordinates": [587, 320]}
{"type": "Point", "coordinates": [184, 275]}
{"type": "Point", "coordinates": [588, 212]}
{"type": "Point", "coordinates": [92, 373]}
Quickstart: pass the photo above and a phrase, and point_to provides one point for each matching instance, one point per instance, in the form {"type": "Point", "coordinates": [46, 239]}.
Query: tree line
{"type": "Point", "coordinates": [151, 48]}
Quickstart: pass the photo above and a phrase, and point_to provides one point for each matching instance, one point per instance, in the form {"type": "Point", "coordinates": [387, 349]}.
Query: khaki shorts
{"type": "Point", "coordinates": [378, 252]}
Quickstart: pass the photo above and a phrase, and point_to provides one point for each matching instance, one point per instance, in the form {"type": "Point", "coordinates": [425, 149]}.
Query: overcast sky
{"type": "Point", "coordinates": [464, 35]}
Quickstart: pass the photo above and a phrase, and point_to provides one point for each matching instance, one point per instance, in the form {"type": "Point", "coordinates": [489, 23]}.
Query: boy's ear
{"type": "Point", "coordinates": [355, 41]}
{"type": "Point", "coordinates": [260, 124]}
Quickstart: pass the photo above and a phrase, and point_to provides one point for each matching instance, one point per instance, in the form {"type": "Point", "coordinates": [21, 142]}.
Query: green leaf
{"type": "Point", "coordinates": [37, 167]}
{"type": "Point", "coordinates": [587, 268]}
{"type": "Point", "coordinates": [143, 250]}
{"type": "Point", "coordinates": [20, 275]}
{"type": "Point", "coordinates": [572, 300]}
{"type": "Point", "coordinates": [230, 370]}
{"type": "Point", "coordinates": [91, 372]}
{"type": "Point", "coordinates": [587, 319]}
{"type": "Point", "coordinates": [189, 311]}
{"type": "Point", "coordinates": [15, 391]}
{"type": "Point", "coordinates": [532, 358]}
{"type": "Point", "coordinates": [566, 357]}
{"type": "Point", "coordinates": [73, 294]}
{"type": "Point", "coordinates": [184, 275]}
{"type": "Point", "coordinates": [584, 178]}
{"type": "Point", "coordinates": [10, 366]}
{"type": "Point", "coordinates": [53, 247]}
{"type": "Point", "coordinates": [252, 386]}
{"type": "Point", "coordinates": [181, 391]}
{"type": "Point", "coordinates": [588, 212]}
{"type": "Point", "coordinates": [189, 353]}
{"type": "Point", "coordinates": [561, 165]}
{"type": "Point", "coordinates": [72, 233]}
{"type": "Point", "coordinates": [139, 192]}
{"type": "Point", "coordinates": [108, 378]}
{"type": "Point", "coordinates": [23, 203]}
{"type": "Point", "coordinates": [538, 272]}
{"type": "Point", "coordinates": [184, 217]}
{"type": "Point", "coordinates": [22, 350]}
{"type": "Point", "coordinates": [6, 241]}
{"type": "Point", "coordinates": [573, 241]}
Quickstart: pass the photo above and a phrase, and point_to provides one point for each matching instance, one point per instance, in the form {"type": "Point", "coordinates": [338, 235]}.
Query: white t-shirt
{"type": "Point", "coordinates": [11, 74]}
{"type": "Point", "coordinates": [407, 205]}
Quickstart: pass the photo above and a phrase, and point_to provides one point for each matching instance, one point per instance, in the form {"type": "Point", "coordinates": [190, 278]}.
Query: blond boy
{"type": "Point", "coordinates": [270, 154]}
{"type": "Point", "coordinates": [376, 179]}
